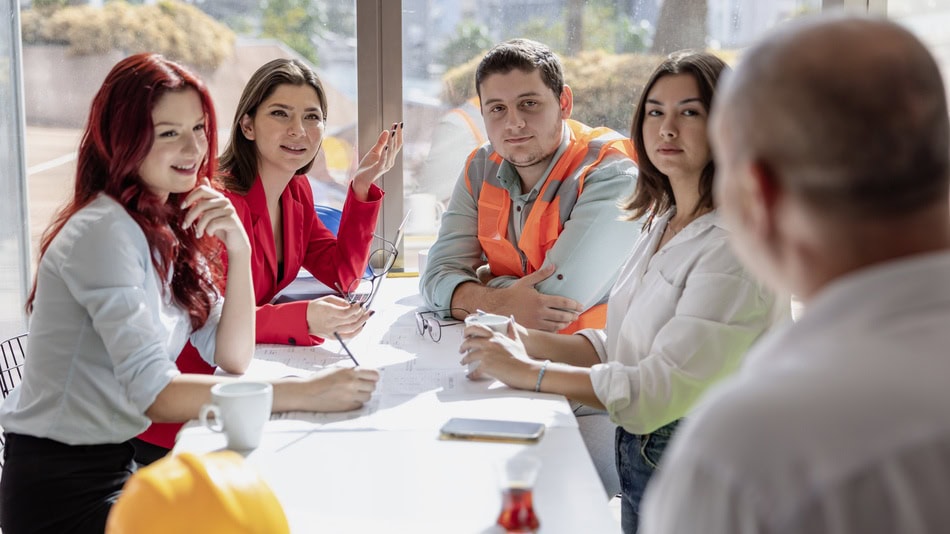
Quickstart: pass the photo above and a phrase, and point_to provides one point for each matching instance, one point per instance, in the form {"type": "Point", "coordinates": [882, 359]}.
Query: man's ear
{"type": "Point", "coordinates": [765, 192]}
{"type": "Point", "coordinates": [566, 102]}
{"type": "Point", "coordinates": [247, 127]}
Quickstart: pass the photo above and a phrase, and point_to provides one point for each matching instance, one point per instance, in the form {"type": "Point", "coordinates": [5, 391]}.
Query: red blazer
{"type": "Point", "coordinates": [307, 244]}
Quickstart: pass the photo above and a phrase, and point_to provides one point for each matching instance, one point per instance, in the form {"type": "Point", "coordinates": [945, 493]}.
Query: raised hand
{"type": "Point", "coordinates": [331, 313]}
{"type": "Point", "coordinates": [378, 160]}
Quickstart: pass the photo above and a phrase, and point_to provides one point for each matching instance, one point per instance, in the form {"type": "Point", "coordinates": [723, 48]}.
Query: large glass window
{"type": "Point", "coordinates": [68, 49]}
{"type": "Point", "coordinates": [608, 47]}
{"type": "Point", "coordinates": [14, 251]}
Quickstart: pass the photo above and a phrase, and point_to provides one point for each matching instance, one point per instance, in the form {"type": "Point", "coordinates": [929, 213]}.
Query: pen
{"type": "Point", "coordinates": [347, 349]}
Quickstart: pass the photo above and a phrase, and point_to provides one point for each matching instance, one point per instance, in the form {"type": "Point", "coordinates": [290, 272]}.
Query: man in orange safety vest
{"type": "Point", "coordinates": [532, 229]}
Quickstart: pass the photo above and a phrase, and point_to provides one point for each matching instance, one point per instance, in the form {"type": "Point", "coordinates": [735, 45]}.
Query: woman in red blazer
{"type": "Point", "coordinates": [276, 134]}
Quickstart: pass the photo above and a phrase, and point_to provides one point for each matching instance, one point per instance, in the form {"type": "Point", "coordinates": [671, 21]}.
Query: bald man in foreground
{"type": "Point", "coordinates": [831, 142]}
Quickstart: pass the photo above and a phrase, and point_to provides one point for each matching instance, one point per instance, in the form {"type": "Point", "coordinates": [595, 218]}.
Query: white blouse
{"type": "Point", "coordinates": [678, 320]}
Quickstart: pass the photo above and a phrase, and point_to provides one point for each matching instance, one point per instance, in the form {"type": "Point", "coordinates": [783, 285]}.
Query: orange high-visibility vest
{"type": "Point", "coordinates": [556, 199]}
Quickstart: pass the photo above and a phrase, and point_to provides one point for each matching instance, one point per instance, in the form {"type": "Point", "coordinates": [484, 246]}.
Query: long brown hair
{"type": "Point", "coordinates": [653, 194]}
{"type": "Point", "coordinates": [240, 158]}
{"type": "Point", "coordinates": [117, 139]}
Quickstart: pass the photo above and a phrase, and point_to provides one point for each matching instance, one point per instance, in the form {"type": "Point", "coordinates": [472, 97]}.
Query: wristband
{"type": "Point", "coordinates": [544, 366]}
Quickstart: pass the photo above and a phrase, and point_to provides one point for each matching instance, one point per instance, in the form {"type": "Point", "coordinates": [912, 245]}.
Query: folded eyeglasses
{"type": "Point", "coordinates": [429, 321]}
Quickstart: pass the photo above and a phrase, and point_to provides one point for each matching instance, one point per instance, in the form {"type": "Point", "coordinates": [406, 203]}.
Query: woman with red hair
{"type": "Point", "coordinates": [129, 272]}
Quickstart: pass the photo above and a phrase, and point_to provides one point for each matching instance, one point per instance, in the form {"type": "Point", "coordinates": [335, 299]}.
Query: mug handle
{"type": "Point", "coordinates": [216, 424]}
{"type": "Point", "coordinates": [439, 211]}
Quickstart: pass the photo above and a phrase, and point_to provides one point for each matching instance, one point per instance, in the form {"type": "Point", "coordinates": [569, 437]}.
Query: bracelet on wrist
{"type": "Point", "coordinates": [544, 367]}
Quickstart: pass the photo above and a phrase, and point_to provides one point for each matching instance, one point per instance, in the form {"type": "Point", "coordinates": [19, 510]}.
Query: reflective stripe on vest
{"type": "Point", "coordinates": [553, 207]}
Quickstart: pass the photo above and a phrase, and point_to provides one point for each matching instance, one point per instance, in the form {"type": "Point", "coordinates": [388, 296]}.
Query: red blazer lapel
{"type": "Point", "coordinates": [264, 261]}
{"type": "Point", "coordinates": [296, 231]}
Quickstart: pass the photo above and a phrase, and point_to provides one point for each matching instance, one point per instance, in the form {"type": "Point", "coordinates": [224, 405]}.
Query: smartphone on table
{"type": "Point", "coordinates": [492, 429]}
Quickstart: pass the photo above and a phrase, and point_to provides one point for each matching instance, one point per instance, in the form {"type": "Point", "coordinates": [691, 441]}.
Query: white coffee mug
{"type": "Point", "coordinates": [240, 410]}
{"type": "Point", "coordinates": [498, 323]}
{"type": "Point", "coordinates": [423, 260]}
{"type": "Point", "coordinates": [426, 215]}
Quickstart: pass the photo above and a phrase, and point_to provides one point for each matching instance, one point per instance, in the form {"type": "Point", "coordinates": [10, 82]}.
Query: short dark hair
{"type": "Point", "coordinates": [653, 194]}
{"type": "Point", "coordinates": [525, 55]}
{"type": "Point", "coordinates": [240, 160]}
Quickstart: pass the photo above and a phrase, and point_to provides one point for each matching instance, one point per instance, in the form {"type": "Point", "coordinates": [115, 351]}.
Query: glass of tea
{"type": "Point", "coordinates": [517, 476]}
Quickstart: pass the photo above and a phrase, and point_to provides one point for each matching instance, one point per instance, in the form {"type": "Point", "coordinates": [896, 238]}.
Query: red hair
{"type": "Point", "coordinates": [117, 139]}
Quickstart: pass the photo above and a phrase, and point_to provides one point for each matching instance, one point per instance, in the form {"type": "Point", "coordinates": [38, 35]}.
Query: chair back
{"type": "Point", "coordinates": [330, 217]}
{"type": "Point", "coordinates": [12, 357]}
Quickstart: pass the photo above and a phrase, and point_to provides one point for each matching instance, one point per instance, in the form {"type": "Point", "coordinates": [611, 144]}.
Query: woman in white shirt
{"type": "Point", "coordinates": [129, 271]}
{"type": "Point", "coordinates": [683, 311]}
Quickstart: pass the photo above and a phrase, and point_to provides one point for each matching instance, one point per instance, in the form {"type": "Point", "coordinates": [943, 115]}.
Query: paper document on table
{"type": "Point", "coordinates": [407, 338]}
{"type": "Point", "coordinates": [303, 357]}
{"type": "Point", "coordinates": [323, 418]}
{"type": "Point", "coordinates": [410, 382]}
{"type": "Point", "coordinates": [275, 361]}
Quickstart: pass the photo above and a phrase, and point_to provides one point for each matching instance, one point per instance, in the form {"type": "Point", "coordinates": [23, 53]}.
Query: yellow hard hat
{"type": "Point", "coordinates": [211, 493]}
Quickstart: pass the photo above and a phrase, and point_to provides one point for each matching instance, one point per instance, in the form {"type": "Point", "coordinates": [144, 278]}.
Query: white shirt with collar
{"type": "Point", "coordinates": [838, 424]}
{"type": "Point", "coordinates": [104, 336]}
{"type": "Point", "coordinates": [678, 320]}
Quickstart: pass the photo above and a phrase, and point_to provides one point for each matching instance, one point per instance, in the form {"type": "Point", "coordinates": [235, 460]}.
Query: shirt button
{"type": "Point", "coordinates": [292, 341]}
{"type": "Point", "coordinates": [560, 277]}
{"type": "Point", "coordinates": [518, 208]}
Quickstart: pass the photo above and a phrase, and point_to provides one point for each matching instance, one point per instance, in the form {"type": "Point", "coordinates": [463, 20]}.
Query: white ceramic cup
{"type": "Point", "coordinates": [426, 215]}
{"type": "Point", "coordinates": [240, 410]}
{"type": "Point", "coordinates": [498, 323]}
{"type": "Point", "coordinates": [423, 260]}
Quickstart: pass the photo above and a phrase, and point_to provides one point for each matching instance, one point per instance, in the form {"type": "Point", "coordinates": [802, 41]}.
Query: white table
{"type": "Point", "coordinates": [384, 469]}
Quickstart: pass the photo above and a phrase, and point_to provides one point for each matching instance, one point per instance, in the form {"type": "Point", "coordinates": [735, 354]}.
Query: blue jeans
{"type": "Point", "coordinates": [637, 458]}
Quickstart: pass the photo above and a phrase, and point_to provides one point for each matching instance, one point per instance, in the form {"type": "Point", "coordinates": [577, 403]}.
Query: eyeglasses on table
{"type": "Point", "coordinates": [429, 321]}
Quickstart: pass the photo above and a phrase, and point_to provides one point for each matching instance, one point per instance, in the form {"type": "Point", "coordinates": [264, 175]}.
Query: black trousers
{"type": "Point", "coordinates": [146, 453]}
{"type": "Point", "coordinates": [48, 486]}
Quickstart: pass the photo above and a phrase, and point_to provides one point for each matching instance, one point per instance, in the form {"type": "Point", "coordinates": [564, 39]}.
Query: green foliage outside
{"type": "Point", "coordinates": [603, 29]}
{"type": "Point", "coordinates": [606, 86]}
{"type": "Point", "coordinates": [297, 23]}
{"type": "Point", "coordinates": [178, 31]}
{"type": "Point", "coordinates": [469, 38]}
{"type": "Point", "coordinates": [293, 22]}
